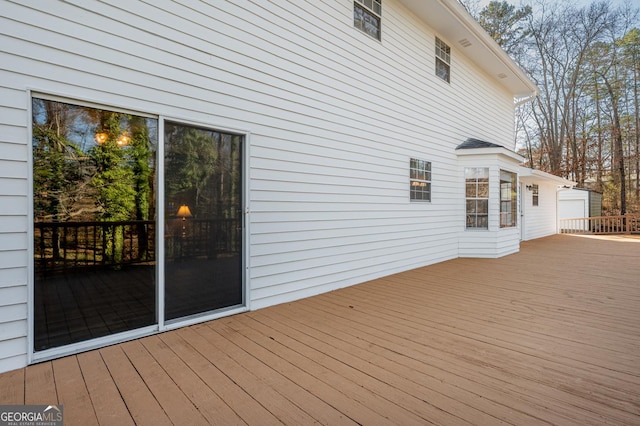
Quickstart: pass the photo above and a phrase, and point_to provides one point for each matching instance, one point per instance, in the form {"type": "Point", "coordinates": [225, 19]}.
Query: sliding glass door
{"type": "Point", "coordinates": [203, 220]}
{"type": "Point", "coordinates": [94, 196]}
{"type": "Point", "coordinates": [95, 230]}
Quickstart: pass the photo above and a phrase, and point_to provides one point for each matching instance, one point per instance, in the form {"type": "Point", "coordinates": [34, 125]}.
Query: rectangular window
{"type": "Point", "coordinates": [420, 180]}
{"type": "Point", "coordinates": [536, 192]}
{"type": "Point", "coordinates": [508, 199]}
{"type": "Point", "coordinates": [367, 15]}
{"type": "Point", "coordinates": [443, 60]}
{"type": "Point", "coordinates": [477, 197]}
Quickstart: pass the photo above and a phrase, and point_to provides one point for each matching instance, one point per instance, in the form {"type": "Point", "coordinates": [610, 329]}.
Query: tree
{"type": "Point", "coordinates": [630, 52]}
{"type": "Point", "coordinates": [190, 161]}
{"type": "Point", "coordinates": [585, 60]}
{"type": "Point", "coordinates": [506, 24]}
{"type": "Point", "coordinates": [114, 178]}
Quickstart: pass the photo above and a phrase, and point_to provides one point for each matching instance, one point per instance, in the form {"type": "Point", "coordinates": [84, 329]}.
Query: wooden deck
{"type": "Point", "coordinates": [550, 335]}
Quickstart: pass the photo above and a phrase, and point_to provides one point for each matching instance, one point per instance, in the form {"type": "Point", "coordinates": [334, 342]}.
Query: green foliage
{"type": "Point", "coordinates": [191, 161]}
{"type": "Point", "coordinates": [56, 173]}
{"type": "Point", "coordinates": [114, 178]}
{"type": "Point", "coordinates": [505, 24]}
{"type": "Point", "coordinates": [142, 169]}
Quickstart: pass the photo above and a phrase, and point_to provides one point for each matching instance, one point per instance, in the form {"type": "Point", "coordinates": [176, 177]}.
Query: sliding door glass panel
{"type": "Point", "coordinates": [94, 174]}
{"type": "Point", "coordinates": [203, 220]}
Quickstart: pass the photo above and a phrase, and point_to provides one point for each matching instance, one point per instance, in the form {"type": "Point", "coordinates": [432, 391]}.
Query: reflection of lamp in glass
{"type": "Point", "coordinates": [184, 213]}
{"type": "Point", "coordinates": [101, 137]}
{"type": "Point", "coordinates": [122, 140]}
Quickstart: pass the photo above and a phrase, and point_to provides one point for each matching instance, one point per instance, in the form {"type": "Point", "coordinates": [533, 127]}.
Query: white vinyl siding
{"type": "Point", "coordinates": [541, 220]}
{"type": "Point", "coordinates": [327, 169]}
{"type": "Point", "coordinates": [13, 226]}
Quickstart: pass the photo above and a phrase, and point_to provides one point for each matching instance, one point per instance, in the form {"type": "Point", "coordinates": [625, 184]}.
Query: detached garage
{"type": "Point", "coordinates": [578, 203]}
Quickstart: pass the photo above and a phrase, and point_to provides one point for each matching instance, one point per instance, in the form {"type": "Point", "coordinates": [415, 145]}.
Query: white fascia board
{"type": "Point", "coordinates": [490, 151]}
{"type": "Point", "coordinates": [531, 175]}
{"type": "Point", "coordinates": [452, 22]}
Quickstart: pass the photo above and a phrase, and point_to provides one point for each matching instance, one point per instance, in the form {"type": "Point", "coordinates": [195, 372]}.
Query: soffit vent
{"type": "Point", "coordinates": [502, 75]}
{"type": "Point", "coordinates": [464, 42]}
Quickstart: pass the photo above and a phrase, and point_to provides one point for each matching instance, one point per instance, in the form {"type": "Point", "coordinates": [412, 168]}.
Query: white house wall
{"type": "Point", "coordinates": [334, 117]}
{"type": "Point", "coordinates": [541, 220]}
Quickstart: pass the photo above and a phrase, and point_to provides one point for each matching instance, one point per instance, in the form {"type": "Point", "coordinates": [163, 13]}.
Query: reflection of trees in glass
{"type": "Point", "coordinates": [191, 161]}
{"type": "Point", "coordinates": [203, 170]}
{"type": "Point", "coordinates": [56, 165]}
{"type": "Point", "coordinates": [56, 162]}
{"type": "Point", "coordinates": [93, 165]}
{"type": "Point", "coordinates": [77, 178]}
{"type": "Point", "coordinates": [114, 176]}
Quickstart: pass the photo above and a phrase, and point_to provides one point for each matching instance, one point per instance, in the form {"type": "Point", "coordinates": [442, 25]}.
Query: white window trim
{"type": "Point", "coordinates": [487, 198]}
{"type": "Point", "coordinates": [378, 14]}
{"type": "Point", "coordinates": [443, 57]}
{"type": "Point", "coordinates": [426, 181]}
{"type": "Point", "coordinates": [513, 202]}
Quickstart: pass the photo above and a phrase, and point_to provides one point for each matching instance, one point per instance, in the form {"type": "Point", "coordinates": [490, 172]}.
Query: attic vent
{"type": "Point", "coordinates": [502, 75]}
{"type": "Point", "coordinates": [464, 42]}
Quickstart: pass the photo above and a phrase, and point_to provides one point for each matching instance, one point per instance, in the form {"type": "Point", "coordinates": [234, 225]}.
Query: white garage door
{"type": "Point", "coordinates": [572, 209]}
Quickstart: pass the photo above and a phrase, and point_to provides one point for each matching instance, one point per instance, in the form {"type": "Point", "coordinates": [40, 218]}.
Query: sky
{"type": "Point", "coordinates": [614, 3]}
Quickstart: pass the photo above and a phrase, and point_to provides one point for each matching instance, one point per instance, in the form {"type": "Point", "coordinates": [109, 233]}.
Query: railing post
{"type": "Point", "coordinates": [627, 223]}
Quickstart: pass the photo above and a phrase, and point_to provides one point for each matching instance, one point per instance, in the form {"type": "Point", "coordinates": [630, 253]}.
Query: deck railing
{"type": "Point", "coordinates": [64, 246]}
{"type": "Point", "coordinates": [626, 224]}
{"type": "Point", "coordinates": [74, 246]}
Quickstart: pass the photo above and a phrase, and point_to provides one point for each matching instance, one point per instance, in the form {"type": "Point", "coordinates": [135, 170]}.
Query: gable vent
{"type": "Point", "coordinates": [464, 42]}
{"type": "Point", "coordinates": [502, 75]}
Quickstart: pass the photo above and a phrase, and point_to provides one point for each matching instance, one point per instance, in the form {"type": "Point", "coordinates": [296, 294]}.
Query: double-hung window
{"type": "Point", "coordinates": [477, 197]}
{"type": "Point", "coordinates": [443, 60]}
{"type": "Point", "coordinates": [536, 194]}
{"type": "Point", "coordinates": [419, 180]}
{"type": "Point", "coordinates": [367, 16]}
{"type": "Point", "coordinates": [508, 199]}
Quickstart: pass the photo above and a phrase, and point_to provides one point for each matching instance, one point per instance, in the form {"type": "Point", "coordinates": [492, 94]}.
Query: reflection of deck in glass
{"type": "Point", "coordinates": [198, 285]}
{"type": "Point", "coordinates": [93, 303]}
{"type": "Point", "coordinates": [98, 302]}
{"type": "Point", "coordinates": [94, 279]}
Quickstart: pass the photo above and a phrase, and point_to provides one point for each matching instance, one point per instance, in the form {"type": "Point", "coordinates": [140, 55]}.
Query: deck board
{"type": "Point", "coordinates": [40, 385]}
{"type": "Point", "coordinates": [550, 335]}
{"type": "Point", "coordinates": [140, 401]}
{"type": "Point", "coordinates": [209, 404]}
{"type": "Point", "coordinates": [105, 397]}
{"type": "Point", "coordinates": [12, 389]}
{"type": "Point", "coordinates": [72, 392]}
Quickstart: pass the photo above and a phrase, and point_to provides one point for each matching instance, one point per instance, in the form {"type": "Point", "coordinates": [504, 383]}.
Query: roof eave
{"type": "Point", "coordinates": [527, 174]}
{"type": "Point", "coordinates": [452, 22]}
{"type": "Point", "coordinates": [502, 151]}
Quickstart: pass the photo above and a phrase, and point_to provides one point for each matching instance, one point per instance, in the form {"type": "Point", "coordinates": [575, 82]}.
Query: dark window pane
{"type": "Point", "coordinates": [483, 190]}
{"type": "Point", "coordinates": [471, 190]}
{"type": "Point", "coordinates": [508, 199]}
{"type": "Point", "coordinates": [366, 21]}
{"type": "Point", "coordinates": [203, 213]}
{"type": "Point", "coordinates": [483, 206]}
{"type": "Point", "coordinates": [442, 70]}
